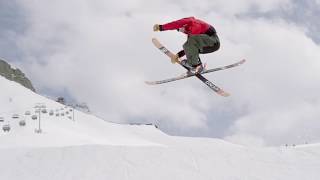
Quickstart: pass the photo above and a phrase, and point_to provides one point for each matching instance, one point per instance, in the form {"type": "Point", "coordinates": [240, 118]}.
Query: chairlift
{"type": "Point", "coordinates": [6, 128]}
{"type": "Point", "coordinates": [22, 123]}
{"type": "Point", "coordinates": [15, 116]}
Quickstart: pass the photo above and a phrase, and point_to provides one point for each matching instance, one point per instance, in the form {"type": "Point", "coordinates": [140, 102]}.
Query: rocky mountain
{"type": "Point", "coordinates": [15, 75]}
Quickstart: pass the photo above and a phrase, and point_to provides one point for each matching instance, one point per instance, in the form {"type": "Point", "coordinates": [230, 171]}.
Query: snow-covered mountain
{"type": "Point", "coordinates": [75, 145]}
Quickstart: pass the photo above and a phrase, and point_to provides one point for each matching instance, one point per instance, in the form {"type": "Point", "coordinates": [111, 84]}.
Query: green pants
{"type": "Point", "coordinates": [199, 44]}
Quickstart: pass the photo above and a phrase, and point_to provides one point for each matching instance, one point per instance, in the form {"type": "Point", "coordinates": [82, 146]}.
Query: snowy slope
{"type": "Point", "coordinates": [90, 148]}
{"type": "Point", "coordinates": [57, 131]}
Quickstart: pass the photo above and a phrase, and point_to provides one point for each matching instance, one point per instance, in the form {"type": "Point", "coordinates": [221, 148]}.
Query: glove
{"type": "Point", "coordinates": [175, 59]}
{"type": "Point", "coordinates": [156, 27]}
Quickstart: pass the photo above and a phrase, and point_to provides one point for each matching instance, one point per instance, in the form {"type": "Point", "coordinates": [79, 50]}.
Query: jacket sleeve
{"type": "Point", "coordinates": [176, 24]}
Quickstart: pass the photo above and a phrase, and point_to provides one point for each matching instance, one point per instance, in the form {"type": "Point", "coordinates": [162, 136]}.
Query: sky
{"type": "Point", "coordinates": [100, 52]}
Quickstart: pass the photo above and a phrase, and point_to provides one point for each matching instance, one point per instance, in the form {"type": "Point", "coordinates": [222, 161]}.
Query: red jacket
{"type": "Point", "coordinates": [191, 25]}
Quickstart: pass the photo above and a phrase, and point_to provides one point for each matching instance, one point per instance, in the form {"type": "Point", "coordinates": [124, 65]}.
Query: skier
{"type": "Point", "coordinates": [202, 39]}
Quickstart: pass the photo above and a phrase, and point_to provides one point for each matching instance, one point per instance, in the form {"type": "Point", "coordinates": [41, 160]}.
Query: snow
{"type": "Point", "coordinates": [91, 148]}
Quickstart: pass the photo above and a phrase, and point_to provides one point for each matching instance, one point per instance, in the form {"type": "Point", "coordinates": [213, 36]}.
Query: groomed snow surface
{"type": "Point", "coordinates": [78, 146]}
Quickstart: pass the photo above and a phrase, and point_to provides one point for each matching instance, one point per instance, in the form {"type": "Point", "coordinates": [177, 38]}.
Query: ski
{"type": "Point", "coordinates": [199, 76]}
{"type": "Point", "coordinates": [184, 76]}
{"type": "Point", "coordinates": [212, 86]}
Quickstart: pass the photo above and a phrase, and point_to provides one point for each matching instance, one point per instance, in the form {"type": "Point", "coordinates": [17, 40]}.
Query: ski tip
{"type": "Point", "coordinates": [223, 93]}
{"type": "Point", "coordinates": [156, 43]}
{"type": "Point", "coordinates": [149, 82]}
{"type": "Point", "coordinates": [154, 40]}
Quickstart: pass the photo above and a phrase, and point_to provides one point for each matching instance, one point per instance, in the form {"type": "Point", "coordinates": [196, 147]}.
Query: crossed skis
{"type": "Point", "coordinates": [199, 76]}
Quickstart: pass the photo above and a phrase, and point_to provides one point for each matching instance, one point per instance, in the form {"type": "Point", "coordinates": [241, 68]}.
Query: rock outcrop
{"type": "Point", "coordinates": [15, 75]}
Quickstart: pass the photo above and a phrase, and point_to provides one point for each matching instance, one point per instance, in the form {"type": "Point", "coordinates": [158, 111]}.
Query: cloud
{"type": "Point", "coordinates": [277, 86]}
{"type": "Point", "coordinates": [293, 124]}
{"type": "Point", "coordinates": [226, 8]}
{"type": "Point", "coordinates": [101, 52]}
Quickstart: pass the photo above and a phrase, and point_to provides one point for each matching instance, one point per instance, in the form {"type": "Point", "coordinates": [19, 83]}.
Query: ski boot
{"type": "Point", "coordinates": [192, 69]}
